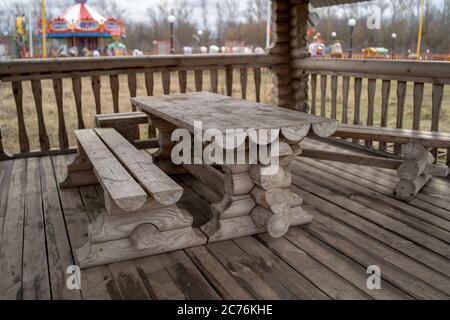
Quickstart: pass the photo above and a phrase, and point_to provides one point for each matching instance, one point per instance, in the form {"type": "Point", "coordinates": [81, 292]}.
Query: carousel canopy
{"type": "Point", "coordinates": [82, 11]}
{"type": "Point", "coordinates": [82, 20]}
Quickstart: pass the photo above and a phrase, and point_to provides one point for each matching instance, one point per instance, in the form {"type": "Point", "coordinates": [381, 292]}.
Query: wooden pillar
{"type": "Point", "coordinates": [289, 36]}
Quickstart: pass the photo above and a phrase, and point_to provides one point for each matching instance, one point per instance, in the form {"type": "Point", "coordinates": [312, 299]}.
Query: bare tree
{"type": "Point", "coordinates": [256, 11]}
{"type": "Point", "coordinates": [230, 11]}
{"type": "Point", "coordinates": [158, 22]}
{"type": "Point", "coordinates": [204, 13]}
{"type": "Point", "coordinates": [111, 8]}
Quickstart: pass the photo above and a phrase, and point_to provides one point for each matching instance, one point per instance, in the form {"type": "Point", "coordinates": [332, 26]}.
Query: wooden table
{"type": "Point", "coordinates": [252, 202]}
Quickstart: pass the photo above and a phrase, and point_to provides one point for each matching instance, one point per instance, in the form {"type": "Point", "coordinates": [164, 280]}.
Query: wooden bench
{"type": "Point", "coordinates": [141, 217]}
{"type": "Point", "coordinates": [127, 124]}
{"type": "Point", "coordinates": [428, 139]}
{"type": "Point", "coordinates": [415, 169]}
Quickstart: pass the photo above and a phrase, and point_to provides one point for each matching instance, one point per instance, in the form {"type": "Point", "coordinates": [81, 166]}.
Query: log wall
{"type": "Point", "coordinates": [290, 18]}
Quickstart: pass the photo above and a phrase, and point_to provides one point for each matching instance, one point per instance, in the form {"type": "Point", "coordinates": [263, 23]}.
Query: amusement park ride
{"type": "Point", "coordinates": [82, 27]}
{"type": "Point", "coordinates": [81, 30]}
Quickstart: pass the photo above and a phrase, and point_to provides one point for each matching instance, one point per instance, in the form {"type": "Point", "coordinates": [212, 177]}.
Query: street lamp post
{"type": "Point", "coordinates": [200, 39]}
{"type": "Point", "coordinates": [352, 24]}
{"type": "Point", "coordinates": [171, 20]}
{"type": "Point", "coordinates": [200, 34]}
{"type": "Point", "coordinates": [44, 30]}
{"type": "Point", "coordinates": [394, 37]}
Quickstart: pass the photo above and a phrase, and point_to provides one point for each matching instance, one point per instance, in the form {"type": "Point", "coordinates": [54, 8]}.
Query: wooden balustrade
{"type": "Point", "coordinates": [374, 80]}
{"type": "Point", "coordinates": [358, 92]}
{"type": "Point", "coordinates": [37, 70]}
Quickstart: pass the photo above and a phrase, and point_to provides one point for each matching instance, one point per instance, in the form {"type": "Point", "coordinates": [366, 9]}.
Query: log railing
{"type": "Point", "coordinates": [361, 92]}
{"type": "Point", "coordinates": [18, 72]}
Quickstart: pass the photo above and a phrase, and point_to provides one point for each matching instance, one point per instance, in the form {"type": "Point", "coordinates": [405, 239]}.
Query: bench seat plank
{"type": "Point", "coordinates": [140, 164]}
{"type": "Point", "coordinates": [108, 120]}
{"type": "Point", "coordinates": [123, 189]}
{"type": "Point", "coordinates": [426, 138]}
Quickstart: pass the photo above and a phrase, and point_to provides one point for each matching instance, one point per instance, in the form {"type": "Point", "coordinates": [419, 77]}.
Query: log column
{"type": "Point", "coordinates": [289, 32]}
{"type": "Point", "coordinates": [278, 208]}
{"type": "Point", "coordinates": [299, 26]}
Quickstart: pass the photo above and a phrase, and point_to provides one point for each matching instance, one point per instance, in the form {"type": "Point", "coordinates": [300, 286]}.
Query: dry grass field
{"type": "Point", "coordinates": [8, 119]}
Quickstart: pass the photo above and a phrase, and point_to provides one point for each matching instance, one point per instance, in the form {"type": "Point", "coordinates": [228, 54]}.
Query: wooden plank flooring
{"type": "Point", "coordinates": [357, 223]}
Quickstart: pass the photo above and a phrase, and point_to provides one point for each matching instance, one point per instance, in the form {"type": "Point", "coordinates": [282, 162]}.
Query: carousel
{"type": "Point", "coordinates": [82, 31]}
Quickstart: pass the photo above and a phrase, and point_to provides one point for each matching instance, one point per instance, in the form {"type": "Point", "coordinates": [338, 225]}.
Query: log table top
{"type": "Point", "coordinates": [222, 112]}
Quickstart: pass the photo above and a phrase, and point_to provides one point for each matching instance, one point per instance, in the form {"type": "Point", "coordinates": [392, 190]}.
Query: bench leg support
{"type": "Point", "coordinates": [416, 171]}
{"type": "Point", "coordinates": [79, 172]}
{"type": "Point", "coordinates": [136, 235]}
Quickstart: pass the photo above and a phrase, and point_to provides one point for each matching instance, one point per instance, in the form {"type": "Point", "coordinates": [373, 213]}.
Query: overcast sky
{"type": "Point", "coordinates": [137, 8]}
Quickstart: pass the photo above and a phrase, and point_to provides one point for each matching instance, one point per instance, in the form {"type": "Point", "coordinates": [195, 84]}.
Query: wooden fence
{"type": "Point", "coordinates": [19, 71]}
{"type": "Point", "coordinates": [330, 78]}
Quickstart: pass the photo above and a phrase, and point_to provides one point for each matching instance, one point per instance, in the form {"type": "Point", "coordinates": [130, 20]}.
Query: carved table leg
{"type": "Point", "coordinates": [232, 214]}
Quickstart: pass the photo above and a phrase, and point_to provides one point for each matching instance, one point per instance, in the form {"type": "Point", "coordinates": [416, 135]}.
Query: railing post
{"type": "Point", "coordinates": [3, 154]}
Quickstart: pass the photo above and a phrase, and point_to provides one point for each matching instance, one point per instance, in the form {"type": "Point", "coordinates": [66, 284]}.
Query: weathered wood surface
{"type": "Point", "coordinates": [35, 283]}
{"type": "Point", "coordinates": [109, 120]}
{"type": "Point", "coordinates": [95, 254]}
{"type": "Point", "coordinates": [36, 88]}
{"type": "Point", "coordinates": [12, 238]}
{"type": "Point", "coordinates": [126, 123]}
{"type": "Point", "coordinates": [222, 113]}
{"type": "Point", "coordinates": [352, 158]}
{"type": "Point", "coordinates": [121, 186]}
{"type": "Point", "coordinates": [3, 154]}
{"type": "Point", "coordinates": [77, 88]}
{"type": "Point", "coordinates": [356, 223]}
{"type": "Point", "coordinates": [18, 99]}
{"type": "Point", "coordinates": [109, 227]}
{"type": "Point", "coordinates": [402, 136]}
{"type": "Point", "coordinates": [120, 65]}
{"type": "Point", "coordinates": [376, 69]}
{"type": "Point", "coordinates": [63, 139]}
{"type": "Point", "coordinates": [140, 164]}
{"type": "Point", "coordinates": [58, 244]}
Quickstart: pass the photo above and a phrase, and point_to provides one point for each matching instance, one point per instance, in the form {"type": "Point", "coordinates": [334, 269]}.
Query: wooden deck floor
{"type": "Point", "coordinates": [357, 224]}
